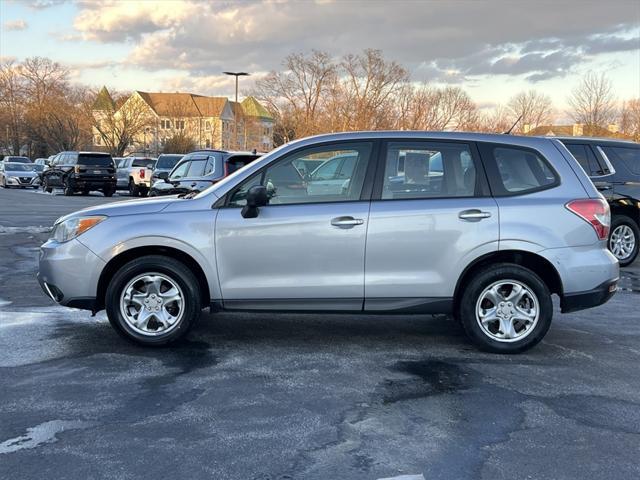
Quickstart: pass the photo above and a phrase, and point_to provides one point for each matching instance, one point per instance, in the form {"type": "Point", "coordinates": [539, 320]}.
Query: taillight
{"type": "Point", "coordinates": [76, 169]}
{"type": "Point", "coordinates": [594, 211]}
{"type": "Point", "coordinates": [142, 173]}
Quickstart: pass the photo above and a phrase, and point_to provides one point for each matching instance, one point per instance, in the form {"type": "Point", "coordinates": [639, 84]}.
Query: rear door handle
{"type": "Point", "coordinates": [473, 215]}
{"type": "Point", "coordinates": [346, 222]}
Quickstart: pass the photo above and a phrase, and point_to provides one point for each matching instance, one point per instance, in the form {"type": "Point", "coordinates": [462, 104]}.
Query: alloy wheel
{"type": "Point", "coordinates": [622, 242]}
{"type": "Point", "coordinates": [152, 304]}
{"type": "Point", "coordinates": [507, 311]}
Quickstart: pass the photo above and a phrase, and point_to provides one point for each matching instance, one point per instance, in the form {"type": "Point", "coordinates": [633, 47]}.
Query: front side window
{"type": "Point", "coordinates": [180, 171]}
{"type": "Point", "coordinates": [197, 167]}
{"type": "Point", "coordinates": [629, 157]}
{"type": "Point", "coordinates": [519, 170]}
{"type": "Point", "coordinates": [287, 185]}
{"type": "Point", "coordinates": [428, 170]}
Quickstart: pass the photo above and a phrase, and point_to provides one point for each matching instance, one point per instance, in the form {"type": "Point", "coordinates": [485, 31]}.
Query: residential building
{"type": "Point", "coordinates": [210, 122]}
{"type": "Point", "coordinates": [575, 130]}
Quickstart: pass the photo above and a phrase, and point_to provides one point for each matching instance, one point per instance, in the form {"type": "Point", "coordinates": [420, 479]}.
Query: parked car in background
{"type": "Point", "coordinates": [614, 168]}
{"type": "Point", "coordinates": [22, 175]}
{"type": "Point", "coordinates": [81, 172]}
{"type": "Point", "coordinates": [16, 159]}
{"type": "Point", "coordinates": [134, 174]}
{"type": "Point", "coordinates": [199, 170]}
{"type": "Point", "coordinates": [164, 165]}
{"type": "Point", "coordinates": [509, 222]}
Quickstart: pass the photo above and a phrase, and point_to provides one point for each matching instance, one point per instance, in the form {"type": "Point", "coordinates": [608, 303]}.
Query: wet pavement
{"type": "Point", "coordinates": [266, 397]}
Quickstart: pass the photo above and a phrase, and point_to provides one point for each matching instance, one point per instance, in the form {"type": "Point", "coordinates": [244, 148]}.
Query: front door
{"type": "Point", "coordinates": [305, 249]}
{"type": "Point", "coordinates": [430, 216]}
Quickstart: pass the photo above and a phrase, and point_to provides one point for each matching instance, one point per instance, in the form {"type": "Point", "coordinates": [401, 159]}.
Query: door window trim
{"type": "Point", "coordinates": [367, 185]}
{"type": "Point", "coordinates": [482, 185]}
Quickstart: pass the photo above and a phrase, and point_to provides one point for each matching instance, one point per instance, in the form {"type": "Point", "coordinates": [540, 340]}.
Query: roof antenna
{"type": "Point", "coordinates": [508, 132]}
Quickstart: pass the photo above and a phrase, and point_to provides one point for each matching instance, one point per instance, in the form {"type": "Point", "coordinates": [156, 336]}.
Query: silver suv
{"type": "Point", "coordinates": [484, 227]}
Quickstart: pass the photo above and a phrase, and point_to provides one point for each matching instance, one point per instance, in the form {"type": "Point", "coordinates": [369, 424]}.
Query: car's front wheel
{"type": "Point", "coordinates": [505, 308]}
{"type": "Point", "coordinates": [624, 239]}
{"type": "Point", "coordinates": [67, 188]}
{"type": "Point", "coordinates": [153, 300]}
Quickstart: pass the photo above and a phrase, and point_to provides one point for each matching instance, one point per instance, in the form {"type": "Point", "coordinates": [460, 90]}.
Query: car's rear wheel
{"type": "Point", "coordinates": [505, 308]}
{"type": "Point", "coordinates": [108, 192]}
{"type": "Point", "coordinates": [133, 188]}
{"type": "Point", "coordinates": [68, 189]}
{"type": "Point", "coordinates": [624, 239]}
{"type": "Point", "coordinates": [46, 187]}
{"type": "Point", "coordinates": [153, 300]}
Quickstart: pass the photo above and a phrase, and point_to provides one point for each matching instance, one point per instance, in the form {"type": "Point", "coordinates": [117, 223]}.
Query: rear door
{"type": "Point", "coordinates": [56, 172]}
{"type": "Point", "coordinates": [431, 214]}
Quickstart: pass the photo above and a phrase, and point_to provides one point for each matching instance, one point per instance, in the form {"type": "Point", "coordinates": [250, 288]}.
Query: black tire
{"type": "Point", "coordinates": [46, 187]}
{"type": "Point", "coordinates": [620, 221]}
{"type": "Point", "coordinates": [134, 191]}
{"type": "Point", "coordinates": [475, 286]}
{"type": "Point", "coordinates": [85, 192]}
{"type": "Point", "coordinates": [68, 189]}
{"type": "Point", "coordinates": [143, 192]}
{"type": "Point", "coordinates": [108, 192]}
{"type": "Point", "coordinates": [168, 267]}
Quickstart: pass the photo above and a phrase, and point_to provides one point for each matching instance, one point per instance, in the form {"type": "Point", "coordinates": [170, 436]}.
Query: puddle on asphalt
{"type": "Point", "coordinates": [41, 434]}
{"type": "Point", "coordinates": [429, 377]}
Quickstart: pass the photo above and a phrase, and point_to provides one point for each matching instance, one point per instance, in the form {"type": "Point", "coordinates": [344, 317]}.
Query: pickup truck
{"type": "Point", "coordinates": [134, 174]}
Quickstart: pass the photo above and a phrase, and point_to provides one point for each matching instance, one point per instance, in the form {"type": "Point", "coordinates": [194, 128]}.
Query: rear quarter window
{"type": "Point", "coordinates": [517, 170]}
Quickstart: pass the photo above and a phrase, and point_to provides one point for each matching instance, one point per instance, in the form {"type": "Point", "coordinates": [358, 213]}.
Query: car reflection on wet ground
{"type": "Point", "coordinates": [293, 396]}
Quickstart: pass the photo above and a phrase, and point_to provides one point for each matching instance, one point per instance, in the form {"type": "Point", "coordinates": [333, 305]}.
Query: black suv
{"type": "Point", "coordinates": [81, 172]}
{"type": "Point", "coordinates": [614, 168]}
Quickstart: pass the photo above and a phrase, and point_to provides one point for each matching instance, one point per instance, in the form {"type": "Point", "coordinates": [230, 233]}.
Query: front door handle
{"type": "Point", "coordinates": [473, 215]}
{"type": "Point", "coordinates": [346, 222]}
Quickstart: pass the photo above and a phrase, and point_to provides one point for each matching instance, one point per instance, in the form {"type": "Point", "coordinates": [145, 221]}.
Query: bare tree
{"type": "Point", "coordinates": [532, 108]}
{"type": "Point", "coordinates": [294, 96]}
{"type": "Point", "coordinates": [370, 85]}
{"type": "Point", "coordinates": [12, 105]}
{"type": "Point", "coordinates": [592, 102]}
{"type": "Point", "coordinates": [630, 118]}
{"type": "Point", "coordinates": [179, 143]}
{"type": "Point", "coordinates": [498, 120]}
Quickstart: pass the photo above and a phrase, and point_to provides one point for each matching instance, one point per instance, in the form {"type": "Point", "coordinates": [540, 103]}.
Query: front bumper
{"type": "Point", "coordinates": [572, 302]}
{"type": "Point", "coordinates": [69, 272]}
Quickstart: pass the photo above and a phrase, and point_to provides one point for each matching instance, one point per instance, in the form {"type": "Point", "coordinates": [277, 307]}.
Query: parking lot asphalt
{"type": "Point", "coordinates": [265, 397]}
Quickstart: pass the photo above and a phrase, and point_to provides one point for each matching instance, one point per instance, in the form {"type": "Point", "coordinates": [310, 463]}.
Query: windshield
{"type": "Point", "coordinates": [18, 167]}
{"type": "Point", "coordinates": [95, 159]}
{"type": "Point", "coordinates": [167, 162]}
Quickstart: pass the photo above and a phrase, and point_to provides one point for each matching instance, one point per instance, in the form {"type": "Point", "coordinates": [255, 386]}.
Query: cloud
{"type": "Point", "coordinates": [15, 25]}
{"type": "Point", "coordinates": [440, 41]}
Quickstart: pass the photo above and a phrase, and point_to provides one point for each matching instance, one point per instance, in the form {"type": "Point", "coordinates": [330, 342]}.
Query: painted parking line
{"type": "Point", "coordinates": [405, 477]}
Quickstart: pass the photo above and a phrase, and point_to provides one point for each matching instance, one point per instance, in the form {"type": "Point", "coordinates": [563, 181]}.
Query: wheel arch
{"type": "Point", "coordinates": [534, 262]}
{"type": "Point", "coordinates": [121, 259]}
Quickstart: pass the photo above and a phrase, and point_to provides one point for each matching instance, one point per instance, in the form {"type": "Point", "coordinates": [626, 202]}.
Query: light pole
{"type": "Point", "coordinates": [235, 117]}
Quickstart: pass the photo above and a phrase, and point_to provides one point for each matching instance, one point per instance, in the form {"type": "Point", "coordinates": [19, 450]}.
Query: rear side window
{"type": "Point", "coordinates": [236, 162]}
{"type": "Point", "coordinates": [629, 157]}
{"type": "Point", "coordinates": [416, 170]}
{"type": "Point", "coordinates": [517, 170]}
{"type": "Point", "coordinates": [95, 159]}
{"type": "Point", "coordinates": [143, 162]}
{"type": "Point", "coordinates": [585, 157]}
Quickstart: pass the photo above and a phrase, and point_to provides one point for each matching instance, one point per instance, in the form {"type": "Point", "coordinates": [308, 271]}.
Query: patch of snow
{"type": "Point", "coordinates": [405, 477]}
{"type": "Point", "coordinates": [4, 302]}
{"type": "Point", "coordinates": [44, 433]}
{"type": "Point", "coordinates": [31, 229]}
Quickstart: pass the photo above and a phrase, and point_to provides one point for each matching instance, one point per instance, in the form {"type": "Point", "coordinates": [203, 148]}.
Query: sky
{"type": "Point", "coordinates": [492, 48]}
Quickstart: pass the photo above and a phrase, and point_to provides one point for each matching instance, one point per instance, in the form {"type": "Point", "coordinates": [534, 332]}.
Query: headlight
{"type": "Point", "coordinates": [70, 229]}
{"type": "Point", "coordinates": [13, 180]}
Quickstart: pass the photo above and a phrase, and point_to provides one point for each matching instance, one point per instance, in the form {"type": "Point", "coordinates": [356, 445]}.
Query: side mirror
{"type": "Point", "coordinates": [256, 197]}
{"type": "Point", "coordinates": [162, 175]}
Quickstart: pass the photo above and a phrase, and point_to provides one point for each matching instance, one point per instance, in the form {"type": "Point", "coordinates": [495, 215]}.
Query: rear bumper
{"type": "Point", "coordinates": [573, 302]}
{"type": "Point", "coordinates": [96, 183]}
